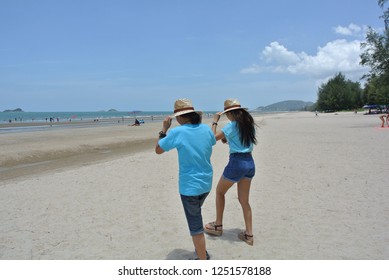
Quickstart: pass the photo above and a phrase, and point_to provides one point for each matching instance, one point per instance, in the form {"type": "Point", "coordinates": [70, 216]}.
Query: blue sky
{"type": "Point", "coordinates": [89, 55]}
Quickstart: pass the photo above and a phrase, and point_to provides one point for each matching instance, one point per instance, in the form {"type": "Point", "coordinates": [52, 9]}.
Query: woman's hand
{"type": "Point", "coordinates": [216, 117]}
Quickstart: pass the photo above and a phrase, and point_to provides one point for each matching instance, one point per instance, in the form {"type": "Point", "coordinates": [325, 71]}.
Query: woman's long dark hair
{"type": "Point", "coordinates": [246, 126]}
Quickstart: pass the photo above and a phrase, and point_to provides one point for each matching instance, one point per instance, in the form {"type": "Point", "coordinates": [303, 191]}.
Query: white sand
{"type": "Point", "coordinates": [320, 193]}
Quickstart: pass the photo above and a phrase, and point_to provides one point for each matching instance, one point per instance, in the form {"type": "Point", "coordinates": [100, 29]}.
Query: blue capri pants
{"type": "Point", "coordinates": [192, 207]}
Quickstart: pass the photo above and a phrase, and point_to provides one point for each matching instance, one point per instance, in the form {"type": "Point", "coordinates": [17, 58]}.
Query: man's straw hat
{"type": "Point", "coordinates": [183, 106]}
{"type": "Point", "coordinates": [232, 104]}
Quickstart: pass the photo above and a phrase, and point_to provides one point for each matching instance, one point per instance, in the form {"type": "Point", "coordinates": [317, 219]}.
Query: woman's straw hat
{"type": "Point", "coordinates": [232, 104]}
{"type": "Point", "coordinates": [183, 106]}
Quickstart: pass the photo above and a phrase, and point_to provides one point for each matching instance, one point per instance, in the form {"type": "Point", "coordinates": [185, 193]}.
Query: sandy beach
{"type": "Point", "coordinates": [321, 192]}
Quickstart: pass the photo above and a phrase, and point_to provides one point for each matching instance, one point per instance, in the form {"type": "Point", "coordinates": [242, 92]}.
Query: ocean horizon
{"type": "Point", "coordinates": [9, 117]}
{"type": "Point", "coordinates": [33, 121]}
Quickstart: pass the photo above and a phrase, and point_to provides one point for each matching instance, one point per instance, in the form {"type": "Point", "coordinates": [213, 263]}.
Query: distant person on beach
{"type": "Point", "coordinates": [193, 141]}
{"type": "Point", "coordinates": [383, 118]}
{"type": "Point", "coordinates": [136, 123]}
{"type": "Point", "coordinates": [240, 135]}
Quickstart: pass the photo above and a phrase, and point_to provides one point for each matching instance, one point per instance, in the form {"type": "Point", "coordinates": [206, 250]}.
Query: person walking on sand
{"type": "Point", "coordinates": [193, 141]}
{"type": "Point", "coordinates": [241, 136]}
{"type": "Point", "coordinates": [382, 118]}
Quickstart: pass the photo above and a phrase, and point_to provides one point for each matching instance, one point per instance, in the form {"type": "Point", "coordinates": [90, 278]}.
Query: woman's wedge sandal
{"type": "Point", "coordinates": [249, 239]}
{"type": "Point", "coordinates": [213, 229]}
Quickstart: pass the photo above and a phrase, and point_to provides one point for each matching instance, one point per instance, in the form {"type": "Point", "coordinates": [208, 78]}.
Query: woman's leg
{"type": "Point", "coordinates": [222, 187]}
{"type": "Point", "coordinates": [243, 197]}
{"type": "Point", "coordinates": [215, 228]}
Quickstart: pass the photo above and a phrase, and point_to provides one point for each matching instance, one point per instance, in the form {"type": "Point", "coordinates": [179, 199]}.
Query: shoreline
{"type": "Point", "coordinates": [28, 126]}
{"type": "Point", "coordinates": [17, 126]}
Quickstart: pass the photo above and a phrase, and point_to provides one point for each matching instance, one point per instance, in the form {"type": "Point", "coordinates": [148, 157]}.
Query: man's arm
{"type": "Point", "coordinates": [167, 122]}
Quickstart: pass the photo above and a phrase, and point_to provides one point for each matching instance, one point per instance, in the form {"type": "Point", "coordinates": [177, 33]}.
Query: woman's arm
{"type": "Point", "coordinates": [219, 135]}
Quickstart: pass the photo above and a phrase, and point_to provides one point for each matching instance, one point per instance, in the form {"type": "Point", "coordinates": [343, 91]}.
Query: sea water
{"type": "Point", "coordinates": [33, 121]}
{"type": "Point", "coordinates": [9, 117]}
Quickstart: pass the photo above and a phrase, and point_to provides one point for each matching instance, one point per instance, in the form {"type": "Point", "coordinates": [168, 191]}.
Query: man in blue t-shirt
{"type": "Point", "coordinates": [193, 142]}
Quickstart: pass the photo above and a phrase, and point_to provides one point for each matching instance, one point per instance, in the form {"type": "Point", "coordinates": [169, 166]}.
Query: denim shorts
{"type": "Point", "coordinates": [240, 165]}
{"type": "Point", "coordinates": [192, 207]}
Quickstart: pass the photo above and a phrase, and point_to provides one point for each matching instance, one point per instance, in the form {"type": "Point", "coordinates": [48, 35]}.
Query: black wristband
{"type": "Point", "coordinates": [214, 123]}
{"type": "Point", "coordinates": [162, 134]}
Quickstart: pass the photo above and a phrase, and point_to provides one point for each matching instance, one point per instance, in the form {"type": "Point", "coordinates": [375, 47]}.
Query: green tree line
{"type": "Point", "coordinates": [341, 94]}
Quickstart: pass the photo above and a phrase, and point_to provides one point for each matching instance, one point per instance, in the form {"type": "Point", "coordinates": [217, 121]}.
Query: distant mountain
{"type": "Point", "coordinates": [14, 110]}
{"type": "Point", "coordinates": [288, 105]}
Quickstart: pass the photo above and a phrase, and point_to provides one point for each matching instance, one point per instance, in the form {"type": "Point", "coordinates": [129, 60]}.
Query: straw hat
{"type": "Point", "coordinates": [183, 106]}
{"type": "Point", "coordinates": [232, 104]}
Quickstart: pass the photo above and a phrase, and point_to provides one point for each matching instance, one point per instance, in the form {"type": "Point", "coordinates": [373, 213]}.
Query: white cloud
{"type": "Point", "coordinates": [340, 55]}
{"type": "Point", "coordinates": [350, 30]}
{"type": "Point", "coordinates": [254, 68]}
{"type": "Point", "coordinates": [336, 56]}
{"type": "Point", "coordinates": [278, 53]}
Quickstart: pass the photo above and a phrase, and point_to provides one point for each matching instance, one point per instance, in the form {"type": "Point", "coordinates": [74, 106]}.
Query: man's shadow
{"type": "Point", "coordinates": [230, 235]}
{"type": "Point", "coordinates": [180, 254]}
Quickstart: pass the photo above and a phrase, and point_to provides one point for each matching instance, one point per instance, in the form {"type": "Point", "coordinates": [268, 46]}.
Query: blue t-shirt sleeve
{"type": "Point", "coordinates": [213, 139]}
{"type": "Point", "coordinates": [169, 142]}
{"type": "Point", "coordinates": [227, 129]}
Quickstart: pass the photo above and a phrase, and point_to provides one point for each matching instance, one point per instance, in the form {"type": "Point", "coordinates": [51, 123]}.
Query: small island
{"type": "Point", "coordinates": [112, 110]}
{"type": "Point", "coordinates": [14, 110]}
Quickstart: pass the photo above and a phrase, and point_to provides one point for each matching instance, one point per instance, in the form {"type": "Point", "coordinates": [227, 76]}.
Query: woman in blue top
{"type": "Point", "coordinates": [193, 142]}
{"type": "Point", "coordinates": [240, 135]}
